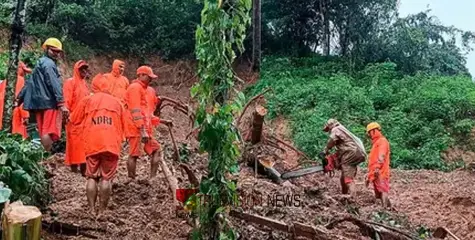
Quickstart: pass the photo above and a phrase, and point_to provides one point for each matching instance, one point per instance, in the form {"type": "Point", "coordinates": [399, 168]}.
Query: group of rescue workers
{"type": "Point", "coordinates": [98, 120]}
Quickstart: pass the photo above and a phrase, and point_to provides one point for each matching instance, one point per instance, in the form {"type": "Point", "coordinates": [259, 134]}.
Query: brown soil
{"type": "Point", "coordinates": [143, 210]}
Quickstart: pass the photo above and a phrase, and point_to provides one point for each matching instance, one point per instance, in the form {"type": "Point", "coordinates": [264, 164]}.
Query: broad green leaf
{"type": "Point", "coordinates": [3, 158]}
{"type": "Point", "coordinates": [5, 194]}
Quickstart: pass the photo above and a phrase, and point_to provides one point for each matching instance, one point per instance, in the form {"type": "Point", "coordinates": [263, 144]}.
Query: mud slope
{"type": "Point", "coordinates": [143, 210]}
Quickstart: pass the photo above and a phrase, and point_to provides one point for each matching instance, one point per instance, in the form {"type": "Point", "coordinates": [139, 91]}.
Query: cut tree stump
{"type": "Point", "coordinates": [21, 222]}
{"type": "Point", "coordinates": [253, 151]}
{"type": "Point", "coordinates": [257, 124]}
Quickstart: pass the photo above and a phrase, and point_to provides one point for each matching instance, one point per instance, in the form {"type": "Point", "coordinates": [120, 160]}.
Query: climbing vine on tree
{"type": "Point", "coordinates": [222, 30]}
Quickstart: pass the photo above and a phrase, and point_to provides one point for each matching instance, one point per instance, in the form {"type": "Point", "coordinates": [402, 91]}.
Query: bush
{"type": "Point", "coordinates": [73, 50]}
{"type": "Point", "coordinates": [421, 115]}
{"type": "Point", "coordinates": [21, 171]}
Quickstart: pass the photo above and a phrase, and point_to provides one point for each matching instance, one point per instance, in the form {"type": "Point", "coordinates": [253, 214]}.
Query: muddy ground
{"type": "Point", "coordinates": [143, 209]}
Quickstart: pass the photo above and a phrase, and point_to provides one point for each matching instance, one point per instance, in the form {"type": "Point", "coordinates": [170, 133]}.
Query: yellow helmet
{"type": "Point", "coordinates": [372, 126]}
{"type": "Point", "coordinates": [53, 42]}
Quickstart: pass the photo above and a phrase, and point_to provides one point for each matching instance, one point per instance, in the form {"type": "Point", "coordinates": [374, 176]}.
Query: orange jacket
{"type": "Point", "coordinates": [101, 117]}
{"type": "Point", "coordinates": [19, 114]}
{"type": "Point", "coordinates": [137, 114]}
{"type": "Point", "coordinates": [75, 88]}
{"type": "Point", "coordinates": [118, 84]}
{"type": "Point", "coordinates": [379, 157]}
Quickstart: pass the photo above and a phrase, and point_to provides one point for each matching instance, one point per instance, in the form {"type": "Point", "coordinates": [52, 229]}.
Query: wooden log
{"type": "Point", "coordinates": [274, 224]}
{"type": "Point", "coordinates": [21, 222]}
{"type": "Point", "coordinates": [257, 124]}
{"type": "Point", "coordinates": [297, 229]}
{"type": "Point", "coordinates": [366, 227]}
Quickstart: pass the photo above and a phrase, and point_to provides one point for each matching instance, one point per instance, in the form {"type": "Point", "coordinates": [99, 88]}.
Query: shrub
{"type": "Point", "coordinates": [421, 115]}
{"type": "Point", "coordinates": [21, 171]}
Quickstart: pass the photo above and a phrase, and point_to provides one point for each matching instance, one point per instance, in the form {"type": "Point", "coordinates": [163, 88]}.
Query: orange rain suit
{"type": "Point", "coordinates": [74, 90]}
{"type": "Point", "coordinates": [19, 114]}
{"type": "Point", "coordinates": [379, 157]}
{"type": "Point", "coordinates": [138, 116]}
{"type": "Point", "coordinates": [118, 84]}
{"type": "Point", "coordinates": [101, 117]}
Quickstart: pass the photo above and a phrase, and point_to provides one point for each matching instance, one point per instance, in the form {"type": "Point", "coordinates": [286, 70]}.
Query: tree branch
{"type": "Point", "coordinates": [249, 103]}
{"type": "Point", "coordinates": [291, 147]}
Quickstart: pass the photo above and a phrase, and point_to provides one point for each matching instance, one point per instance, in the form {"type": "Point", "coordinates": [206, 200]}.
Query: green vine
{"type": "Point", "coordinates": [222, 29]}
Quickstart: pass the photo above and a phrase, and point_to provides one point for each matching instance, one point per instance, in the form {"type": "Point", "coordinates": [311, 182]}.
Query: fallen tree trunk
{"type": "Point", "coordinates": [367, 228]}
{"type": "Point", "coordinates": [296, 229]}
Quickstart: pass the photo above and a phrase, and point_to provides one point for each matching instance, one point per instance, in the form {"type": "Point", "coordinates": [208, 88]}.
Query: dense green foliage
{"type": "Point", "coordinates": [129, 27]}
{"type": "Point", "coordinates": [21, 170]}
{"type": "Point", "coordinates": [364, 31]}
{"type": "Point", "coordinates": [223, 27]}
{"type": "Point", "coordinates": [422, 115]}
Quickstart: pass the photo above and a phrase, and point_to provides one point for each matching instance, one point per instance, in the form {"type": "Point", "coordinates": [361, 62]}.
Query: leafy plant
{"type": "Point", "coordinates": [223, 27]}
{"type": "Point", "coordinates": [423, 232]}
{"type": "Point", "coordinates": [21, 171]}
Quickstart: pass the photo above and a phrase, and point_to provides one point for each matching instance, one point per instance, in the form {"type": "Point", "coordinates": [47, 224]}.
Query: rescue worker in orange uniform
{"type": "Point", "coordinates": [74, 90]}
{"type": "Point", "coordinates": [20, 116]}
{"type": "Point", "coordinates": [139, 123]}
{"type": "Point", "coordinates": [378, 165]}
{"type": "Point", "coordinates": [100, 117]}
{"type": "Point", "coordinates": [118, 83]}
